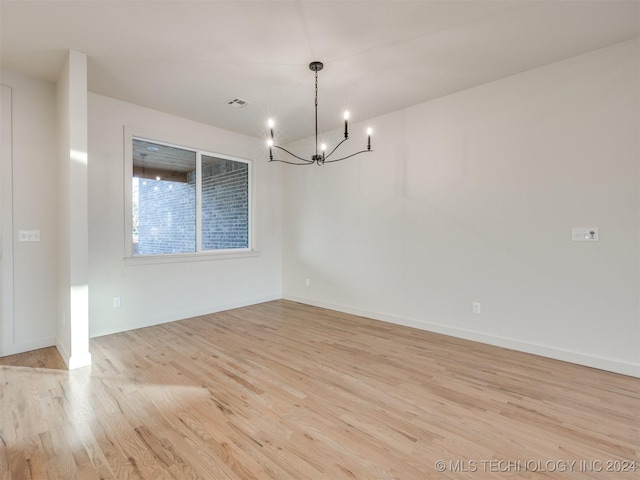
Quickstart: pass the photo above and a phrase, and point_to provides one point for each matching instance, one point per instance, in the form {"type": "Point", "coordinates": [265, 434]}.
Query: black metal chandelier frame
{"type": "Point", "coordinates": [319, 158]}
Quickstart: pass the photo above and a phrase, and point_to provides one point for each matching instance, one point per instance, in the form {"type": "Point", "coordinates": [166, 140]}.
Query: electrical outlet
{"type": "Point", "coordinates": [307, 282]}
{"type": "Point", "coordinates": [116, 302]}
{"type": "Point", "coordinates": [475, 307]}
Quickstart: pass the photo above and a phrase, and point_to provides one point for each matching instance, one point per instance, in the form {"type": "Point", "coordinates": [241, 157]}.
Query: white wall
{"type": "Point", "coordinates": [472, 197]}
{"type": "Point", "coordinates": [161, 292]}
{"type": "Point", "coordinates": [34, 208]}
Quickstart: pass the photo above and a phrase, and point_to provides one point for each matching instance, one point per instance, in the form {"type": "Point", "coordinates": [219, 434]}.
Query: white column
{"type": "Point", "coordinates": [72, 332]}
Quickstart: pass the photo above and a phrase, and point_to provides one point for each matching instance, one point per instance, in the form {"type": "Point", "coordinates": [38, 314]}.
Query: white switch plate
{"type": "Point", "coordinates": [29, 235]}
{"type": "Point", "coordinates": [116, 302]}
{"type": "Point", "coordinates": [584, 234]}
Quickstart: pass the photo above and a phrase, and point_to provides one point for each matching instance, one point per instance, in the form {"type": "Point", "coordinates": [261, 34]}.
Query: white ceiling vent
{"type": "Point", "coordinates": [238, 103]}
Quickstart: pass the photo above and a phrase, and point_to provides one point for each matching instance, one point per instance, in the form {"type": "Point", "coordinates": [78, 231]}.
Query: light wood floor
{"type": "Point", "coordinates": [42, 358]}
{"type": "Point", "coordinates": [286, 391]}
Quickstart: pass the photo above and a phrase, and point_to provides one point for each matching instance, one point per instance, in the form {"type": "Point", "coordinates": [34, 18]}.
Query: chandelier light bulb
{"type": "Point", "coordinates": [323, 147]}
{"type": "Point", "coordinates": [270, 142]}
{"type": "Point", "coordinates": [369, 131]}
{"type": "Point", "coordinates": [271, 124]}
{"type": "Point", "coordinates": [346, 124]}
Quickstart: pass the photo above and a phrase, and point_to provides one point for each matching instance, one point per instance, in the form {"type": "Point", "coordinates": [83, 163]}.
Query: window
{"type": "Point", "coordinates": [186, 201]}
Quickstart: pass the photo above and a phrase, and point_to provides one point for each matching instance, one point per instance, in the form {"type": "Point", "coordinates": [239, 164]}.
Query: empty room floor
{"type": "Point", "coordinates": [285, 391]}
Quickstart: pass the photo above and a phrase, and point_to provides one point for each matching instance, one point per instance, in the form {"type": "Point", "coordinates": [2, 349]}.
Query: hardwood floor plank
{"type": "Point", "coordinates": [284, 391]}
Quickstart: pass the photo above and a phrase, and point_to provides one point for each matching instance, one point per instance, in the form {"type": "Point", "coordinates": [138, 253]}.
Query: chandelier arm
{"type": "Point", "coordinates": [292, 163]}
{"type": "Point", "coordinates": [348, 156]}
{"type": "Point", "coordinates": [336, 147]}
{"type": "Point", "coordinates": [293, 154]}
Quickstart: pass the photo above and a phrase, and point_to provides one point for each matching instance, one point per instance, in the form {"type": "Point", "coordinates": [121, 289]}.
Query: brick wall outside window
{"type": "Point", "coordinates": [167, 214]}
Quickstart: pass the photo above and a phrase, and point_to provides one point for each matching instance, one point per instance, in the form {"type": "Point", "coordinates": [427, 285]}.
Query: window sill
{"type": "Point", "coordinates": [188, 257]}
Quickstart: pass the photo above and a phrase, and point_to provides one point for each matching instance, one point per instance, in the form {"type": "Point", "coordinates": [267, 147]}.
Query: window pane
{"type": "Point", "coordinates": [163, 199]}
{"type": "Point", "coordinates": [225, 204]}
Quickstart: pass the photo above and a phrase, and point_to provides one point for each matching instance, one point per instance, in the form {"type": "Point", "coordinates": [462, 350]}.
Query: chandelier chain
{"type": "Point", "coordinates": [316, 110]}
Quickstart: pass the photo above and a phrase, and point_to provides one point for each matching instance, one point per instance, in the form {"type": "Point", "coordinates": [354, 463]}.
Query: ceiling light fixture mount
{"type": "Point", "coordinates": [318, 158]}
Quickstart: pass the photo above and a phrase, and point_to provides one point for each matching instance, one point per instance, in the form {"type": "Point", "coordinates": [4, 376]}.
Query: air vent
{"type": "Point", "coordinates": [238, 103]}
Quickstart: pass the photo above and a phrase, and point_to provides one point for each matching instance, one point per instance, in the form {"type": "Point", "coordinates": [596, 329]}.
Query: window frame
{"type": "Point", "coordinates": [198, 255]}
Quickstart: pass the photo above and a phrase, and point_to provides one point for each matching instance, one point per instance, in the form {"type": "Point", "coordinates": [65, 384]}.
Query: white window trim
{"type": "Point", "coordinates": [199, 255]}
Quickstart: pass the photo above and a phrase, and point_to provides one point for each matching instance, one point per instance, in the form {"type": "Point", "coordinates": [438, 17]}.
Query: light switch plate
{"type": "Point", "coordinates": [29, 236]}
{"type": "Point", "coordinates": [584, 234]}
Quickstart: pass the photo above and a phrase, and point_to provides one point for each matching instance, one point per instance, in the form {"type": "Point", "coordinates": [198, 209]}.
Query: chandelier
{"type": "Point", "coordinates": [320, 157]}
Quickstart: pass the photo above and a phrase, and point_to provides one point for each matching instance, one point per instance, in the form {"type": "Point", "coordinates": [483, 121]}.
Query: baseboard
{"type": "Point", "coordinates": [79, 361]}
{"type": "Point", "coordinates": [174, 317]}
{"type": "Point", "coordinates": [602, 363]}
{"type": "Point", "coordinates": [29, 346]}
{"type": "Point", "coordinates": [63, 352]}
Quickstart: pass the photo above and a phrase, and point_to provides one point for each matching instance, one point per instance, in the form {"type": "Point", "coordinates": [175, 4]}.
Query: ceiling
{"type": "Point", "coordinates": [189, 58]}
